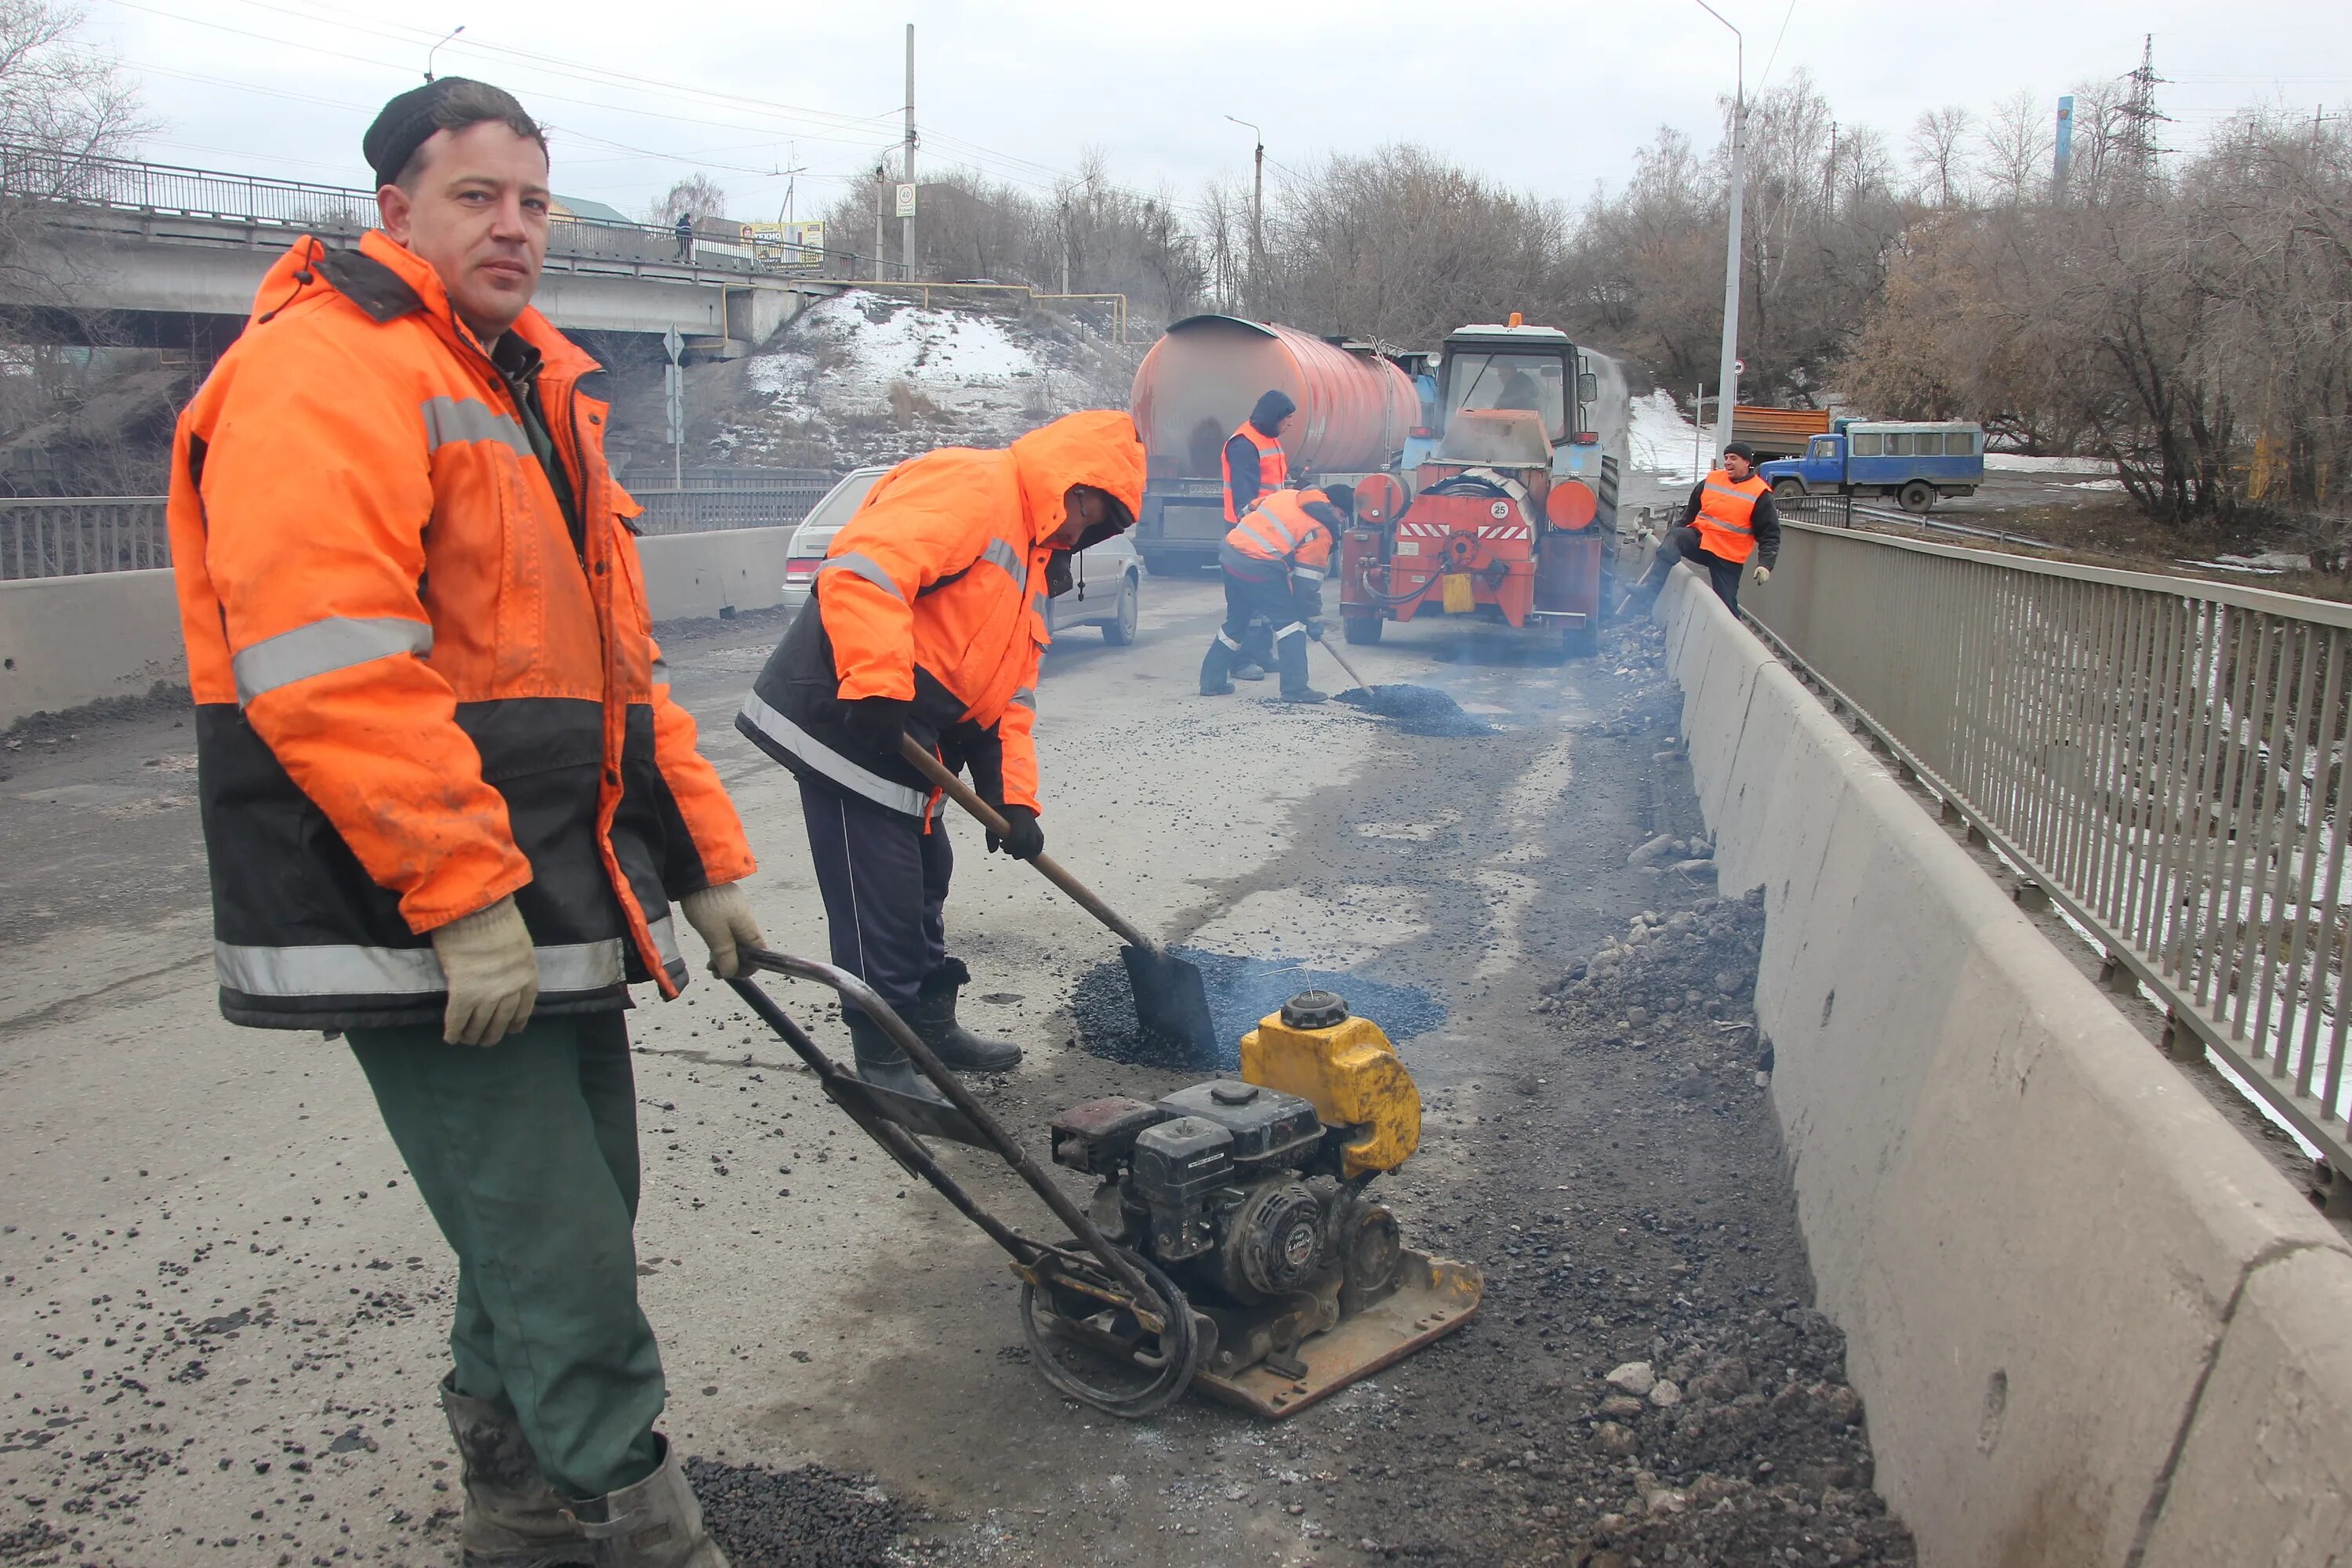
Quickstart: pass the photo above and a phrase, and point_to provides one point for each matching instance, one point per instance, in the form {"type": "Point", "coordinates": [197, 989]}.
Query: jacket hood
{"type": "Point", "coordinates": [1098, 448]}
{"type": "Point", "coordinates": [1271, 409]}
{"type": "Point", "coordinates": [400, 281]}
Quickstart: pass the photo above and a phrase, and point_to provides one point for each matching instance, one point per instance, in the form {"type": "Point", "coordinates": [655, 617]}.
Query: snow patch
{"type": "Point", "coordinates": [2013, 463]}
{"type": "Point", "coordinates": [1661, 442]}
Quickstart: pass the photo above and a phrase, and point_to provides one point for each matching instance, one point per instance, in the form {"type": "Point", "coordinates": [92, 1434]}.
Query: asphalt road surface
{"type": "Point", "coordinates": [225, 1304]}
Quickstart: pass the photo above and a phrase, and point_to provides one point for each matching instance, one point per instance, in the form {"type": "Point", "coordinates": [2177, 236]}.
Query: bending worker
{"type": "Point", "coordinates": [1275, 561]}
{"type": "Point", "coordinates": [927, 621]}
{"type": "Point", "coordinates": [448, 798]}
{"type": "Point", "coordinates": [1728, 519]}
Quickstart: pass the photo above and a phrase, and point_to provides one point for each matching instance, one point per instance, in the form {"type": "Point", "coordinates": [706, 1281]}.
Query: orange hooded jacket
{"type": "Point", "coordinates": [417, 689]}
{"type": "Point", "coordinates": [934, 593]}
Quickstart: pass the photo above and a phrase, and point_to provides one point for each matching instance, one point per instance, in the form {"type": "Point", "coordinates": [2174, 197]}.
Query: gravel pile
{"type": "Point", "coordinates": [1697, 963]}
{"type": "Point", "coordinates": [807, 1518]}
{"type": "Point", "coordinates": [1417, 710]}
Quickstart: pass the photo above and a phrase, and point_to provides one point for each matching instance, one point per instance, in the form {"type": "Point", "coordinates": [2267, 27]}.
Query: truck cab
{"type": "Point", "coordinates": [1918, 462]}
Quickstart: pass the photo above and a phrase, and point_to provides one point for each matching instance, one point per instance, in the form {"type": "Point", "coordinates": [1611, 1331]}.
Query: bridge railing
{"type": "Point", "coordinates": [121, 184]}
{"type": "Point", "coordinates": [2166, 759]}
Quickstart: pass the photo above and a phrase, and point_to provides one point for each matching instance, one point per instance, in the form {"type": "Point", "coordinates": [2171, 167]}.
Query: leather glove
{"type": "Point", "coordinates": [878, 722]}
{"type": "Point", "coordinates": [1763, 575]}
{"type": "Point", "coordinates": [1315, 630]}
{"type": "Point", "coordinates": [1026, 840]}
{"type": "Point", "coordinates": [492, 972]}
{"type": "Point", "coordinates": [721, 917]}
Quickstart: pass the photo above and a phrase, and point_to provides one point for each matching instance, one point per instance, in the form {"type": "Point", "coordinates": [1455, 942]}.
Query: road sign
{"type": "Point", "coordinates": [907, 200]}
{"type": "Point", "coordinates": [1739, 367]}
{"type": "Point", "coordinates": [674, 386]}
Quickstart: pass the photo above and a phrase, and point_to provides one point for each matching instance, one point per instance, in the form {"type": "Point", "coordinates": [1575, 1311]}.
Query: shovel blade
{"type": "Point", "coordinates": [1172, 999]}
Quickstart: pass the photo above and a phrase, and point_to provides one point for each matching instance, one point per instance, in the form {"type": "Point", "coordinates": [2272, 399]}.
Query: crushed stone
{"type": "Point", "coordinates": [806, 1517]}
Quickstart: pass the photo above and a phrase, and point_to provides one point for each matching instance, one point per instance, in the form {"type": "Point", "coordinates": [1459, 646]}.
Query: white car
{"type": "Point", "coordinates": [1107, 579]}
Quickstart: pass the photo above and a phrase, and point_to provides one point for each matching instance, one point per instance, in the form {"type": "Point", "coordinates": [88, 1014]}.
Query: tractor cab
{"type": "Point", "coordinates": [1515, 369]}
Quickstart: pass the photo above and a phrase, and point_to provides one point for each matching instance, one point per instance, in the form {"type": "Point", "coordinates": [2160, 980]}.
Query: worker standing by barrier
{"type": "Point", "coordinates": [1728, 519]}
{"type": "Point", "coordinates": [1275, 560]}
{"type": "Point", "coordinates": [447, 797]}
{"type": "Point", "coordinates": [927, 621]}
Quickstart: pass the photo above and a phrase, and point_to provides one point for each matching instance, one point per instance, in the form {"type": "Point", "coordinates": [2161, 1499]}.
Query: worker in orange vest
{"type": "Point", "coordinates": [449, 797]}
{"type": "Point", "coordinates": [1254, 459]}
{"type": "Point", "coordinates": [1728, 520]}
{"type": "Point", "coordinates": [1275, 560]}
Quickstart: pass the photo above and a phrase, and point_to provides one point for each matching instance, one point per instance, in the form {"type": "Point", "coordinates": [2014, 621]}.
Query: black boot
{"type": "Point", "coordinates": [1290, 657]}
{"type": "Point", "coordinates": [1216, 669]}
{"type": "Point", "coordinates": [881, 1063]}
{"type": "Point", "coordinates": [933, 1017]}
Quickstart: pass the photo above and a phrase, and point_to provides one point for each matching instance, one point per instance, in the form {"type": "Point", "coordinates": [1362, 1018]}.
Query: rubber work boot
{"type": "Point", "coordinates": [1290, 655]}
{"type": "Point", "coordinates": [933, 1017]}
{"type": "Point", "coordinates": [654, 1524]}
{"type": "Point", "coordinates": [513, 1518]}
{"type": "Point", "coordinates": [1216, 666]}
{"type": "Point", "coordinates": [1249, 669]}
{"type": "Point", "coordinates": [881, 1063]}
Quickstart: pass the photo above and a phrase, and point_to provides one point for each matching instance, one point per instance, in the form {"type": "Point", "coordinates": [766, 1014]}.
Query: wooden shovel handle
{"type": "Point", "coordinates": [931, 768]}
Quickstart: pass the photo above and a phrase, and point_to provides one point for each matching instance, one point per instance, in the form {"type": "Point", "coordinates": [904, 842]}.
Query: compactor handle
{"type": "Point", "coordinates": [987, 816]}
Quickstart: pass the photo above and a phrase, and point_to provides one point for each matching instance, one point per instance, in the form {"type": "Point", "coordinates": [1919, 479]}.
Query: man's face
{"type": "Point", "coordinates": [1738, 467]}
{"type": "Point", "coordinates": [1083, 507]}
{"type": "Point", "coordinates": [1283, 424]}
{"type": "Point", "coordinates": [476, 209]}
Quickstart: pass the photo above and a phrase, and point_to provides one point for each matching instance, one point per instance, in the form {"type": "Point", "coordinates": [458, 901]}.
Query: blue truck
{"type": "Point", "coordinates": [1916, 462]}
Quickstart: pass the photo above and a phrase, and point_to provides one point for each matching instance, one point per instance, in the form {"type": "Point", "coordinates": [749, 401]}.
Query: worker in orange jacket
{"type": "Point", "coordinates": [448, 799]}
{"type": "Point", "coordinates": [1253, 460]}
{"type": "Point", "coordinates": [1728, 519]}
{"type": "Point", "coordinates": [1274, 560]}
{"type": "Point", "coordinates": [927, 621]}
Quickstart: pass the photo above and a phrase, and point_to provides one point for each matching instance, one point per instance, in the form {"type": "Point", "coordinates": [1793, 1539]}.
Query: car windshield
{"type": "Point", "coordinates": [1482, 378]}
{"type": "Point", "coordinates": [824, 519]}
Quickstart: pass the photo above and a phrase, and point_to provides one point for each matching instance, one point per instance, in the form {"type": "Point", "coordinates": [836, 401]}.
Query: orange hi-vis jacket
{"type": "Point", "coordinates": [934, 593]}
{"type": "Point", "coordinates": [1280, 536]}
{"type": "Point", "coordinates": [1727, 512]}
{"type": "Point", "coordinates": [418, 690]}
{"type": "Point", "coordinates": [1272, 467]}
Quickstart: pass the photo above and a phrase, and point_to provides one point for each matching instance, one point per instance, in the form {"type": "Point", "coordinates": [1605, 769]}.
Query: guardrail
{"type": "Point", "coordinates": [119, 184]}
{"type": "Point", "coordinates": [2165, 758]}
{"type": "Point", "coordinates": [72, 536]}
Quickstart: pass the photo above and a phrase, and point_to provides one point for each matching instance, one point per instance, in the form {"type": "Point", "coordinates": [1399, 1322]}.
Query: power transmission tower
{"type": "Point", "coordinates": [2135, 141]}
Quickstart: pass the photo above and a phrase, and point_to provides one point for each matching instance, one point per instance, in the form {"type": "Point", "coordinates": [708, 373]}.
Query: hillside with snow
{"type": "Point", "coordinates": [868, 377]}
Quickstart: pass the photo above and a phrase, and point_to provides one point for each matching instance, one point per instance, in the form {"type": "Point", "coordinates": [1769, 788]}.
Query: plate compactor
{"type": "Point", "coordinates": [1232, 1243]}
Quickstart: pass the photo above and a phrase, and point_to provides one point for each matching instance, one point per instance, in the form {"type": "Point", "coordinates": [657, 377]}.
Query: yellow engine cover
{"type": "Point", "coordinates": [1352, 1075]}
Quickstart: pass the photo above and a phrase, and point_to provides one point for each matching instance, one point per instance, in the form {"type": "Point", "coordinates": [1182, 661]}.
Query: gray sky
{"type": "Point", "coordinates": [637, 94]}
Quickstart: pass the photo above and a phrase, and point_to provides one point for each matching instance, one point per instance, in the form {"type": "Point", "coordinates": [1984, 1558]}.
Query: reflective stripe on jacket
{"type": "Point", "coordinates": [1272, 467]}
{"type": "Point", "coordinates": [934, 593]}
{"type": "Point", "coordinates": [1727, 513]}
{"type": "Point", "coordinates": [415, 692]}
{"type": "Point", "coordinates": [1280, 535]}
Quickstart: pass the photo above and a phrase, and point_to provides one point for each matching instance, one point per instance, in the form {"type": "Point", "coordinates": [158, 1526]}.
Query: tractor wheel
{"type": "Point", "coordinates": [1361, 629]}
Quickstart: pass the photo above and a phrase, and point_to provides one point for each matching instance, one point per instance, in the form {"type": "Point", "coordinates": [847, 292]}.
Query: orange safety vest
{"type": "Point", "coordinates": [1280, 533]}
{"type": "Point", "coordinates": [1727, 515]}
{"type": "Point", "coordinates": [1272, 467]}
{"type": "Point", "coordinates": [417, 692]}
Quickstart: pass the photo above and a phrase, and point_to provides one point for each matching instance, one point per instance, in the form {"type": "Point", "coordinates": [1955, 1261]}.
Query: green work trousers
{"type": "Point", "coordinates": [526, 1153]}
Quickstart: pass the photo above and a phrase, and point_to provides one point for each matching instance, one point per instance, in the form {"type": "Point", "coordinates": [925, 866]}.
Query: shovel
{"type": "Point", "coordinates": [1170, 998]}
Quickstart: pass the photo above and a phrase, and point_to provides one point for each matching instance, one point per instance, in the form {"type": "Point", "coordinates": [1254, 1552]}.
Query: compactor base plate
{"type": "Point", "coordinates": [1437, 1295]}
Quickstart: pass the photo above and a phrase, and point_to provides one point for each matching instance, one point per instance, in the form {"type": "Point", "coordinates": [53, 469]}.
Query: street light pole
{"type": "Point", "coordinates": [1257, 208]}
{"type": "Point", "coordinates": [436, 49]}
{"type": "Point", "coordinates": [1727, 371]}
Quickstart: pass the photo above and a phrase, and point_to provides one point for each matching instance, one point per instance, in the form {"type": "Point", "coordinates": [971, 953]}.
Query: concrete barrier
{"type": "Point", "coordinates": [2090, 1323]}
{"type": "Point", "coordinates": [68, 642]}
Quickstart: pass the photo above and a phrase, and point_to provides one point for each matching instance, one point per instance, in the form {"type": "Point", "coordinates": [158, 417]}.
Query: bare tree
{"type": "Point", "coordinates": [695, 197]}
{"type": "Point", "coordinates": [1938, 154]}
{"type": "Point", "coordinates": [2015, 147]}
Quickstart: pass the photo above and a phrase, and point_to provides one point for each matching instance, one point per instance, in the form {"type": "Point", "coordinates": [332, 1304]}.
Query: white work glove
{"type": "Point", "coordinates": [1763, 575]}
{"type": "Point", "coordinates": [493, 975]}
{"type": "Point", "coordinates": [721, 917]}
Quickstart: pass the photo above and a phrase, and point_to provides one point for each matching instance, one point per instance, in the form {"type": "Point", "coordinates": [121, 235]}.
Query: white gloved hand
{"type": "Point", "coordinates": [493, 975]}
{"type": "Point", "coordinates": [1763, 575]}
{"type": "Point", "coordinates": [721, 917]}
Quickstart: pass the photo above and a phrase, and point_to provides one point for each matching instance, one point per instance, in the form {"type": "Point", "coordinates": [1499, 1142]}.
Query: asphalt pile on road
{"type": "Point", "coordinates": [1417, 710]}
{"type": "Point", "coordinates": [1241, 991]}
{"type": "Point", "coordinates": [805, 1518]}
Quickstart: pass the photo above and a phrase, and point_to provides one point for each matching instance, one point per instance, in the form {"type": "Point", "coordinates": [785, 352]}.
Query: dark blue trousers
{"type": "Point", "coordinates": [884, 882]}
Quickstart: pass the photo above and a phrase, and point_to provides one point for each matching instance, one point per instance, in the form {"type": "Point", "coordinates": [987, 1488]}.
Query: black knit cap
{"type": "Point", "coordinates": [1741, 449]}
{"type": "Point", "coordinates": [408, 121]}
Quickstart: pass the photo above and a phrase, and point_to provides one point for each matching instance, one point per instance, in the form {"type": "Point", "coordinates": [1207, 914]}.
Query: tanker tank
{"type": "Point", "coordinates": [1198, 383]}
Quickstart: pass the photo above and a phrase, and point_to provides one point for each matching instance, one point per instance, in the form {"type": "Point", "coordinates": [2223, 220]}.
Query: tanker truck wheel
{"type": "Point", "coordinates": [1361, 629]}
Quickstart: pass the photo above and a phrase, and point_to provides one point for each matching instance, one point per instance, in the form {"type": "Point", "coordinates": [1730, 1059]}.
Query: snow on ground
{"type": "Point", "coordinates": [2012, 463]}
{"type": "Point", "coordinates": [868, 377]}
{"type": "Point", "coordinates": [1661, 441]}
{"type": "Point", "coordinates": [2085, 484]}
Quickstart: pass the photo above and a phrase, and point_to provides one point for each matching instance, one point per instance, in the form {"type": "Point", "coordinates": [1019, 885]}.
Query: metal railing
{"type": "Point", "coordinates": [119, 184]}
{"type": "Point", "coordinates": [2165, 758]}
{"type": "Point", "coordinates": [701, 511]}
{"type": "Point", "coordinates": [53, 537]}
